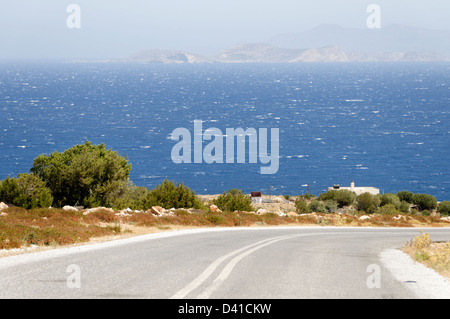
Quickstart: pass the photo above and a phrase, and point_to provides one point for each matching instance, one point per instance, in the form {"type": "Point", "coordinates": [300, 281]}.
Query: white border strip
{"type": "Point", "coordinates": [424, 282]}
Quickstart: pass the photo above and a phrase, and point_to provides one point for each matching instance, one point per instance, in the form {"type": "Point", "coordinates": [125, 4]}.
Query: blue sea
{"type": "Point", "coordinates": [385, 125]}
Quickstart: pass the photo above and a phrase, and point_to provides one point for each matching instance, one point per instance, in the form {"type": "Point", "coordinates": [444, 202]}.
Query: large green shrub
{"type": "Point", "coordinates": [27, 191]}
{"type": "Point", "coordinates": [343, 197]}
{"type": "Point", "coordinates": [368, 203]}
{"type": "Point", "coordinates": [444, 208]}
{"type": "Point", "coordinates": [389, 198]}
{"type": "Point", "coordinates": [168, 195]}
{"type": "Point", "coordinates": [86, 175]}
{"type": "Point", "coordinates": [405, 196]}
{"type": "Point", "coordinates": [424, 201]}
{"type": "Point", "coordinates": [330, 195]}
{"type": "Point", "coordinates": [234, 200]}
{"type": "Point", "coordinates": [302, 206]}
{"type": "Point", "coordinates": [387, 209]}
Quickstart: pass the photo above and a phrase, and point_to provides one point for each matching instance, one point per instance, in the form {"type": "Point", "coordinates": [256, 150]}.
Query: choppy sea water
{"type": "Point", "coordinates": [382, 125]}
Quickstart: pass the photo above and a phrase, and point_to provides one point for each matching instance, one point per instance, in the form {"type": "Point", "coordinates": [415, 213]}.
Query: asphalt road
{"type": "Point", "coordinates": [252, 263]}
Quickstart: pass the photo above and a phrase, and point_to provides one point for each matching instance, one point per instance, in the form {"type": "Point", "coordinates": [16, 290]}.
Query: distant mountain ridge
{"type": "Point", "coordinates": [392, 38]}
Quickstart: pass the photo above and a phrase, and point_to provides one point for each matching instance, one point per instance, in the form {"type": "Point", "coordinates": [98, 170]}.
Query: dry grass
{"type": "Point", "coordinates": [434, 255]}
{"type": "Point", "coordinates": [55, 227]}
{"type": "Point", "coordinates": [46, 227]}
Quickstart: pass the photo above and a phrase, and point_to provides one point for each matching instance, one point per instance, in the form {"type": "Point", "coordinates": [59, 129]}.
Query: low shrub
{"type": "Point", "coordinates": [324, 207]}
{"type": "Point", "coordinates": [27, 191]}
{"type": "Point", "coordinates": [424, 201]}
{"type": "Point", "coordinates": [404, 207]}
{"type": "Point", "coordinates": [129, 196]}
{"type": "Point", "coordinates": [216, 219]}
{"type": "Point", "coordinates": [444, 208]}
{"type": "Point", "coordinates": [307, 196]}
{"type": "Point", "coordinates": [343, 197]}
{"type": "Point", "coordinates": [317, 207]}
{"type": "Point", "coordinates": [388, 209]}
{"type": "Point", "coordinates": [168, 195]}
{"type": "Point", "coordinates": [331, 206]}
{"type": "Point", "coordinates": [426, 213]}
{"type": "Point", "coordinates": [368, 203]}
{"type": "Point", "coordinates": [234, 200]}
{"type": "Point", "coordinates": [389, 198]}
{"type": "Point", "coordinates": [405, 196]}
{"type": "Point", "coordinates": [301, 206]}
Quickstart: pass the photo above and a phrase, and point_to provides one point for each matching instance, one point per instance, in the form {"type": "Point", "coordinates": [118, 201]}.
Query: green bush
{"type": "Point", "coordinates": [343, 197]}
{"type": "Point", "coordinates": [405, 196]}
{"type": "Point", "coordinates": [331, 206]}
{"type": "Point", "coordinates": [444, 208]}
{"type": "Point", "coordinates": [168, 195]}
{"type": "Point", "coordinates": [215, 219]}
{"type": "Point", "coordinates": [389, 198]}
{"type": "Point", "coordinates": [368, 203]}
{"type": "Point", "coordinates": [424, 201]}
{"type": "Point", "coordinates": [426, 213]}
{"type": "Point", "coordinates": [27, 191]}
{"type": "Point", "coordinates": [404, 207]}
{"type": "Point", "coordinates": [302, 206]}
{"type": "Point", "coordinates": [234, 200]}
{"type": "Point", "coordinates": [387, 209]}
{"type": "Point", "coordinates": [86, 175]}
{"type": "Point", "coordinates": [129, 196]}
{"type": "Point", "coordinates": [307, 196]}
{"type": "Point", "coordinates": [330, 195]}
{"type": "Point", "coordinates": [318, 207]}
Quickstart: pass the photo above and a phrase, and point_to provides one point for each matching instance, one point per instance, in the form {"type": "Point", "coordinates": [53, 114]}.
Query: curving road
{"type": "Point", "coordinates": [236, 263]}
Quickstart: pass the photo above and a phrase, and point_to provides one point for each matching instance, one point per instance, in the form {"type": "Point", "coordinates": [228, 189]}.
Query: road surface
{"type": "Point", "coordinates": [232, 263]}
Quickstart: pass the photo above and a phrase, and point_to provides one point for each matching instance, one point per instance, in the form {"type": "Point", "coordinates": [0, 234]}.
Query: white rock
{"type": "Point", "coordinates": [3, 206]}
{"type": "Point", "coordinates": [261, 211]}
{"type": "Point", "coordinates": [96, 209]}
{"type": "Point", "coordinates": [70, 208]}
{"type": "Point", "coordinates": [214, 209]}
{"type": "Point", "coordinates": [157, 210]}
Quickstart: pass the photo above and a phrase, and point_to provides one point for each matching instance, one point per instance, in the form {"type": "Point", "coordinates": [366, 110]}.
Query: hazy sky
{"type": "Point", "coordinates": [117, 28]}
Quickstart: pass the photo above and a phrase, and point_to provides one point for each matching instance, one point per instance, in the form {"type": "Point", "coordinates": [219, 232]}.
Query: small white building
{"type": "Point", "coordinates": [256, 197]}
{"type": "Point", "coordinates": [357, 190]}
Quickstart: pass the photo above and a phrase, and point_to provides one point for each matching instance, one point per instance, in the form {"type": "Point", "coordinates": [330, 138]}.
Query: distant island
{"type": "Point", "coordinates": [325, 43]}
{"type": "Point", "coordinates": [266, 53]}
